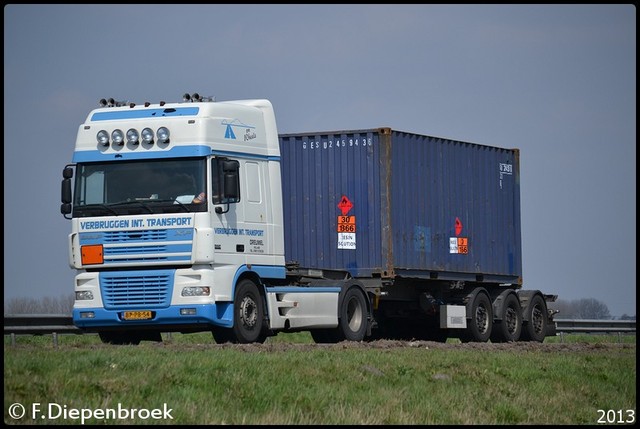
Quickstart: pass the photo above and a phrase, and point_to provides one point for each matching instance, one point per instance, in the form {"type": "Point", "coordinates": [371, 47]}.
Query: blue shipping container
{"type": "Point", "coordinates": [384, 203]}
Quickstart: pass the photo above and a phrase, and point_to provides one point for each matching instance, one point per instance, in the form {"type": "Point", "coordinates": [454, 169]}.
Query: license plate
{"type": "Point", "coordinates": [136, 315]}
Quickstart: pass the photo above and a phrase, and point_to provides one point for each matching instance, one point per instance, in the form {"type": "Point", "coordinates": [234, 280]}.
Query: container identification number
{"type": "Point", "coordinates": [336, 144]}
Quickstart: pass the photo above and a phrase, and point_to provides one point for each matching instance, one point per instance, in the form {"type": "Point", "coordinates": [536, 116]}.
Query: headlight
{"type": "Point", "coordinates": [84, 295]}
{"type": "Point", "coordinates": [196, 291]}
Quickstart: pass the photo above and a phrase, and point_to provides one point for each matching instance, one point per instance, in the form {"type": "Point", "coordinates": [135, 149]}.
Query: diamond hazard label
{"type": "Point", "coordinates": [458, 227]}
{"type": "Point", "coordinates": [345, 205]}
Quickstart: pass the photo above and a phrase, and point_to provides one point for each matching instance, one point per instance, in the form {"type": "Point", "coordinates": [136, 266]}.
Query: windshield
{"type": "Point", "coordinates": [134, 187]}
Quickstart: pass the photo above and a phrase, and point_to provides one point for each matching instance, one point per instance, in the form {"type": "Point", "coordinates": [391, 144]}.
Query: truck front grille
{"type": "Point", "coordinates": [128, 289]}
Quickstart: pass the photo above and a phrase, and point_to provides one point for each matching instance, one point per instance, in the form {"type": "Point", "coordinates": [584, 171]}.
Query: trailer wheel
{"type": "Point", "coordinates": [535, 328]}
{"type": "Point", "coordinates": [481, 322]}
{"type": "Point", "coordinates": [248, 313]}
{"type": "Point", "coordinates": [510, 326]}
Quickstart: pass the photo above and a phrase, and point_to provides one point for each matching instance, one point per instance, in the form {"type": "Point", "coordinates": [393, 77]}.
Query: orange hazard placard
{"type": "Point", "coordinates": [346, 224]}
{"type": "Point", "coordinates": [463, 245]}
{"type": "Point", "coordinates": [92, 254]}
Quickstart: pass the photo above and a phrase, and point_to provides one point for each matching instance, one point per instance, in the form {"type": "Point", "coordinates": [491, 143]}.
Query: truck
{"type": "Point", "coordinates": [198, 216]}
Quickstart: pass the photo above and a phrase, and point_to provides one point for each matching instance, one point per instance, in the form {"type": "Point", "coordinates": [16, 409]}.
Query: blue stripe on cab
{"type": "Point", "coordinates": [146, 113]}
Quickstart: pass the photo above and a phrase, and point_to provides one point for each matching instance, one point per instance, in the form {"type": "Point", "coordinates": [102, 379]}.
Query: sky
{"type": "Point", "coordinates": [557, 82]}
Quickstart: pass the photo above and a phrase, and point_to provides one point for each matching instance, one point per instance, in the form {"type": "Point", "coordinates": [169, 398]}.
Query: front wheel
{"type": "Point", "coordinates": [248, 313]}
{"type": "Point", "coordinates": [248, 317]}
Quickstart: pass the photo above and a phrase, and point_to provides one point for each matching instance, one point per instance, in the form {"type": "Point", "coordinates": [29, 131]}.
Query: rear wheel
{"type": "Point", "coordinates": [481, 322]}
{"type": "Point", "coordinates": [509, 327]}
{"type": "Point", "coordinates": [353, 318]}
{"type": "Point", "coordinates": [535, 329]}
{"type": "Point", "coordinates": [353, 315]}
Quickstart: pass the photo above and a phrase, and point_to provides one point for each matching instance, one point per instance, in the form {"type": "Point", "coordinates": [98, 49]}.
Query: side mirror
{"type": "Point", "coordinates": [65, 208]}
{"type": "Point", "coordinates": [231, 185]}
{"type": "Point", "coordinates": [231, 191]}
{"type": "Point", "coordinates": [65, 192]}
{"type": "Point", "coordinates": [67, 173]}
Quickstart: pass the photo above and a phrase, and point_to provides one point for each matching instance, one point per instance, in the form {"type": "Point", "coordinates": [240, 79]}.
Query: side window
{"type": "Point", "coordinates": [253, 187]}
{"type": "Point", "coordinates": [225, 175]}
{"type": "Point", "coordinates": [94, 188]}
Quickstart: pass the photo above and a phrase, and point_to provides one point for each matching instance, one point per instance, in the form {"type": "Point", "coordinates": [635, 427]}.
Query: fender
{"type": "Point", "coordinates": [498, 303]}
{"type": "Point", "coordinates": [525, 296]}
{"type": "Point", "coordinates": [471, 297]}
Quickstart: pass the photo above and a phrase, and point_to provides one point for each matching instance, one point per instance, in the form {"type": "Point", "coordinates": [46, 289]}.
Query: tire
{"type": "Point", "coordinates": [535, 327]}
{"type": "Point", "coordinates": [480, 324]}
{"type": "Point", "coordinates": [509, 327]}
{"type": "Point", "coordinates": [248, 315]}
{"type": "Point", "coordinates": [353, 318]}
{"type": "Point", "coordinates": [119, 338]}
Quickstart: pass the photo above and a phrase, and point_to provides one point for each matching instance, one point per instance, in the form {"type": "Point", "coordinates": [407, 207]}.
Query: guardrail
{"type": "Point", "coordinates": [39, 324]}
{"type": "Point", "coordinates": [43, 324]}
{"type": "Point", "coordinates": [595, 326]}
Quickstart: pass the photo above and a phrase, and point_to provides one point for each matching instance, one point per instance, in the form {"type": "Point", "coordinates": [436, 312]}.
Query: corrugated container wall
{"type": "Point", "coordinates": [382, 202]}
